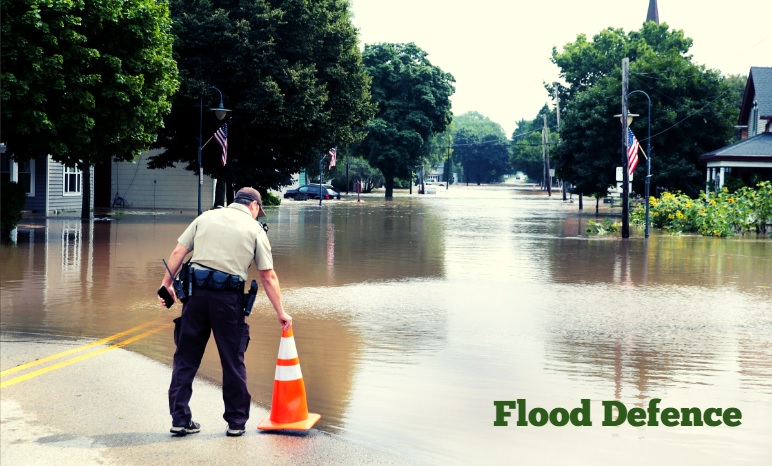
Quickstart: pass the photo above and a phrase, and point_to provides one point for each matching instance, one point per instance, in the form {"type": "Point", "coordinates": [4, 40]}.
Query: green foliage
{"type": "Point", "coordinates": [291, 72]}
{"type": "Point", "coordinates": [481, 146]}
{"type": "Point", "coordinates": [720, 214]}
{"type": "Point", "coordinates": [527, 146]}
{"type": "Point", "coordinates": [438, 151]}
{"type": "Point", "coordinates": [359, 170]}
{"type": "Point", "coordinates": [12, 197]}
{"type": "Point", "coordinates": [270, 199]}
{"type": "Point", "coordinates": [693, 109]}
{"type": "Point", "coordinates": [607, 226]}
{"type": "Point", "coordinates": [85, 81]}
{"type": "Point", "coordinates": [413, 98]}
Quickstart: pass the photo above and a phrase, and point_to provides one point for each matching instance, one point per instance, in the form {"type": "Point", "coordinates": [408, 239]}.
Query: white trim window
{"type": "Point", "coordinates": [73, 180]}
{"type": "Point", "coordinates": [26, 177]}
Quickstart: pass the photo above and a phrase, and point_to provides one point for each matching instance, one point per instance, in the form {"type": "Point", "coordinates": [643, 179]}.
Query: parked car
{"type": "Point", "coordinates": [311, 191]}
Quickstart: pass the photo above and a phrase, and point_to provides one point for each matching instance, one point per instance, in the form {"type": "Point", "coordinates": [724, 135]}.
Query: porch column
{"type": "Point", "coordinates": [707, 182]}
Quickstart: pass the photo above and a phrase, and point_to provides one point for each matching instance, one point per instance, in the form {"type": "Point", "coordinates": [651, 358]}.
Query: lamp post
{"type": "Point", "coordinates": [648, 159]}
{"type": "Point", "coordinates": [220, 113]}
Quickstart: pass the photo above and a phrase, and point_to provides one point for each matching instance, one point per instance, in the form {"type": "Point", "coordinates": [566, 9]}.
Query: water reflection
{"type": "Point", "coordinates": [412, 315]}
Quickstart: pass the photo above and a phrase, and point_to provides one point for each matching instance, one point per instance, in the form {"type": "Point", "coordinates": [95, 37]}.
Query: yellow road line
{"type": "Point", "coordinates": [74, 350]}
{"type": "Point", "coordinates": [44, 370]}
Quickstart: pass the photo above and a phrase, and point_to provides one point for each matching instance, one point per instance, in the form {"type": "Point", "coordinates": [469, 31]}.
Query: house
{"type": "Point", "coordinates": [133, 184]}
{"type": "Point", "coordinates": [51, 187]}
{"type": "Point", "coordinates": [750, 158]}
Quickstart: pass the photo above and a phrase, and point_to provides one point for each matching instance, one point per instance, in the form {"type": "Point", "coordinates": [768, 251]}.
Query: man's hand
{"type": "Point", "coordinates": [170, 289]}
{"type": "Point", "coordinates": [285, 320]}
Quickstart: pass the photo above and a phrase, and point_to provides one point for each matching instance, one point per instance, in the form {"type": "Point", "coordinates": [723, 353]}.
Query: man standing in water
{"type": "Point", "coordinates": [224, 243]}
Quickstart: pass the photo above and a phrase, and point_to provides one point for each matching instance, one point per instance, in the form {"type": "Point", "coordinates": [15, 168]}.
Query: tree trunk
{"type": "Point", "coordinates": [597, 206]}
{"type": "Point", "coordinates": [389, 186]}
{"type": "Point", "coordinates": [85, 206]}
{"type": "Point", "coordinates": [581, 202]}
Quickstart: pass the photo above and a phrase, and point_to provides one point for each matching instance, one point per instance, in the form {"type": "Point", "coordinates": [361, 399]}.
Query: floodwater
{"type": "Point", "coordinates": [413, 316]}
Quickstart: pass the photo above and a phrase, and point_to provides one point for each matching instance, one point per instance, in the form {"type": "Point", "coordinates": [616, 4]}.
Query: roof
{"type": "Point", "coordinates": [758, 88]}
{"type": "Point", "coordinates": [755, 149]}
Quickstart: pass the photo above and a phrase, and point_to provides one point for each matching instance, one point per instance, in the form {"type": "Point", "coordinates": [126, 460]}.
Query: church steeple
{"type": "Point", "coordinates": [653, 14]}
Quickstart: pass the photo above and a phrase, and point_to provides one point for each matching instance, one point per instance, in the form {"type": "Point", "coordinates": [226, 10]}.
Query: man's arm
{"type": "Point", "coordinates": [174, 263]}
{"type": "Point", "coordinates": [273, 292]}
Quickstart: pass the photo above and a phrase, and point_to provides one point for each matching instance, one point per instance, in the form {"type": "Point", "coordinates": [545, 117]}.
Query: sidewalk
{"type": "Point", "coordinates": [112, 409]}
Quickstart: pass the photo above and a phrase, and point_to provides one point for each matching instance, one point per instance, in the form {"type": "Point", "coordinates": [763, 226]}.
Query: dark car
{"type": "Point", "coordinates": [311, 191]}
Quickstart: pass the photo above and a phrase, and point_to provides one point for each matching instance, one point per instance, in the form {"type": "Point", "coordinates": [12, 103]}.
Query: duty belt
{"type": "Point", "coordinates": [216, 280]}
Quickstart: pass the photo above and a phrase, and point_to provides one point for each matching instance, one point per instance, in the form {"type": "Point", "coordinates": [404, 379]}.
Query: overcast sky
{"type": "Point", "coordinates": [499, 50]}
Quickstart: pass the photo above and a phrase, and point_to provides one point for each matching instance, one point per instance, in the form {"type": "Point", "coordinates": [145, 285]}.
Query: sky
{"type": "Point", "coordinates": [499, 50]}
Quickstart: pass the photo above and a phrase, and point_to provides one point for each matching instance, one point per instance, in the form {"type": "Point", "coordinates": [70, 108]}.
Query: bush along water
{"type": "Point", "coordinates": [12, 198]}
{"type": "Point", "coordinates": [721, 214]}
{"type": "Point", "coordinates": [602, 228]}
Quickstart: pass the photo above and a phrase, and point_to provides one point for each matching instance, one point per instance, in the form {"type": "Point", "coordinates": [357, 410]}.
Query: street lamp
{"type": "Point", "coordinates": [220, 112]}
{"type": "Point", "coordinates": [648, 160]}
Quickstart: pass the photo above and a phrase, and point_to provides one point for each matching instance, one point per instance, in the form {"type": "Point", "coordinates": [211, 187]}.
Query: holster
{"type": "Point", "coordinates": [182, 284]}
{"type": "Point", "coordinates": [249, 298]}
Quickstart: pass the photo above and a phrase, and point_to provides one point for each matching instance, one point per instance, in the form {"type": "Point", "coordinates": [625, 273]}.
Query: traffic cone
{"type": "Point", "coordinates": [289, 410]}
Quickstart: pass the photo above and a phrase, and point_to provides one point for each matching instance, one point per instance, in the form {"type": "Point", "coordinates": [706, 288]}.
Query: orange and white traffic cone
{"type": "Point", "coordinates": [289, 410]}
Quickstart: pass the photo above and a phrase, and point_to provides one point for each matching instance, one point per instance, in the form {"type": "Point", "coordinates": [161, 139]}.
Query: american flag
{"type": "Point", "coordinates": [632, 151]}
{"type": "Point", "coordinates": [222, 138]}
{"type": "Point", "coordinates": [333, 153]}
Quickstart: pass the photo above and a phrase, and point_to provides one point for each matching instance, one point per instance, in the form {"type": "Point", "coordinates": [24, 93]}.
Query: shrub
{"type": "Point", "coordinates": [602, 228]}
{"type": "Point", "coordinates": [720, 214]}
{"type": "Point", "coordinates": [270, 199]}
{"type": "Point", "coordinates": [12, 198]}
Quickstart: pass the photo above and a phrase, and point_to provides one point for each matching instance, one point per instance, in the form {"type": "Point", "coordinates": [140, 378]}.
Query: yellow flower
{"type": "Point", "coordinates": [688, 205]}
{"type": "Point", "coordinates": [731, 200]}
{"type": "Point", "coordinates": [712, 202]}
{"type": "Point", "coordinates": [679, 214]}
{"type": "Point", "coordinates": [715, 232]}
{"type": "Point", "coordinates": [670, 216]}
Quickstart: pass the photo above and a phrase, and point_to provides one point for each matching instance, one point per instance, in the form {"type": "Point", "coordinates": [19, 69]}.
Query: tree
{"type": "Point", "coordinates": [85, 81]}
{"type": "Point", "coordinates": [436, 152]}
{"type": "Point", "coordinates": [413, 98]}
{"type": "Point", "coordinates": [527, 146]}
{"type": "Point", "coordinates": [482, 147]}
{"type": "Point", "coordinates": [692, 111]}
{"type": "Point", "coordinates": [291, 72]}
{"type": "Point", "coordinates": [359, 171]}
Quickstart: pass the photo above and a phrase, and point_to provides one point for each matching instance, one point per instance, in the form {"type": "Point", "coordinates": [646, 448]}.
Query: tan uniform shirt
{"type": "Point", "coordinates": [228, 240]}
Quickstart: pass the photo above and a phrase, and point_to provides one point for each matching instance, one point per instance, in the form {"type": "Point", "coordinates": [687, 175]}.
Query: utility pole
{"type": "Point", "coordinates": [625, 138]}
{"type": "Point", "coordinates": [557, 111]}
{"type": "Point", "coordinates": [546, 145]}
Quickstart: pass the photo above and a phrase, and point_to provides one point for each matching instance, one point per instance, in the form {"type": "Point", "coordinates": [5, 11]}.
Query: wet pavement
{"type": "Point", "coordinates": [111, 409]}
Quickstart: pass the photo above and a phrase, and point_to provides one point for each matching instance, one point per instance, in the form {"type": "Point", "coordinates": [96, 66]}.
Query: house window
{"type": "Point", "coordinates": [27, 176]}
{"type": "Point", "coordinates": [753, 123]}
{"type": "Point", "coordinates": [72, 181]}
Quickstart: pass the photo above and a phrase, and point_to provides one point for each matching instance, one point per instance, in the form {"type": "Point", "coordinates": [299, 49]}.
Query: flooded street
{"type": "Point", "coordinates": [413, 316]}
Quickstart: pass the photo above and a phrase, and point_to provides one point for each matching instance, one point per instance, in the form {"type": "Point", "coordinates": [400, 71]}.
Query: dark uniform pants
{"type": "Point", "coordinates": [221, 313]}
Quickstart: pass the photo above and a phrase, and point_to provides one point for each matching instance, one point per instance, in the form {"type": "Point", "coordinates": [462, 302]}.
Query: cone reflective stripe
{"type": "Point", "coordinates": [289, 410]}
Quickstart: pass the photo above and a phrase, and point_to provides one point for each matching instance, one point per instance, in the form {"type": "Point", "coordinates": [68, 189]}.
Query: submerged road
{"type": "Point", "coordinates": [67, 401]}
